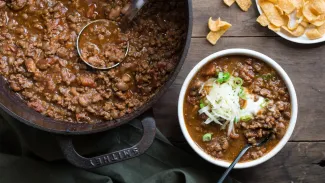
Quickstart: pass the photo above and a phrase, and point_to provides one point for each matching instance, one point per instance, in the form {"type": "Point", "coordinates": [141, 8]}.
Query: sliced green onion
{"type": "Point", "coordinates": [238, 81]}
{"type": "Point", "coordinates": [220, 77]}
{"type": "Point", "coordinates": [226, 76]}
{"type": "Point", "coordinates": [265, 102]}
{"type": "Point", "coordinates": [236, 120]}
{"type": "Point", "coordinates": [207, 137]}
{"type": "Point", "coordinates": [267, 76]}
{"type": "Point", "coordinates": [246, 118]}
{"type": "Point", "coordinates": [223, 77]}
{"type": "Point", "coordinates": [202, 104]}
{"type": "Point", "coordinates": [242, 94]}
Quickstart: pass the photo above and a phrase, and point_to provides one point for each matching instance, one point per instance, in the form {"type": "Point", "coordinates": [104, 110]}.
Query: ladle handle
{"type": "Point", "coordinates": [135, 7]}
{"type": "Point", "coordinates": [241, 153]}
{"type": "Point", "coordinates": [131, 13]}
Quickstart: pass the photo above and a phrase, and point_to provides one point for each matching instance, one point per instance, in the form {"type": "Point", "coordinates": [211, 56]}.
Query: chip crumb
{"type": "Point", "coordinates": [229, 2]}
{"type": "Point", "coordinates": [244, 4]}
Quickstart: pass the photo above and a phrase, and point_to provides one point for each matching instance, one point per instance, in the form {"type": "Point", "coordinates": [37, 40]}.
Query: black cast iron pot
{"type": "Point", "coordinates": [16, 107]}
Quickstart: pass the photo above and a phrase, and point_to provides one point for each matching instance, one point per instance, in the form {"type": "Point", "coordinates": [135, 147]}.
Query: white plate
{"type": "Point", "coordinates": [302, 39]}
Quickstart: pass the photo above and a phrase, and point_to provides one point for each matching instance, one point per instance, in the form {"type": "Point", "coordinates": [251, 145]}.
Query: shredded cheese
{"type": "Point", "coordinates": [221, 103]}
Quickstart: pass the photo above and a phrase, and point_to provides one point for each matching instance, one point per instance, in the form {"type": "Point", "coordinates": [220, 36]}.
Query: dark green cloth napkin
{"type": "Point", "coordinates": [28, 155]}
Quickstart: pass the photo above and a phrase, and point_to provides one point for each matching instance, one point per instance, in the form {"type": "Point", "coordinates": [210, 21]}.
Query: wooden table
{"type": "Point", "coordinates": [302, 160]}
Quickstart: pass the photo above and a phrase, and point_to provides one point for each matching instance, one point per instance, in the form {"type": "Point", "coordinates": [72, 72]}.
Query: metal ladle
{"type": "Point", "coordinates": [124, 24]}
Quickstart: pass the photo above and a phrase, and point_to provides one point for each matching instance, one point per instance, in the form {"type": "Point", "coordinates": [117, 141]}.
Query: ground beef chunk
{"type": "Point", "coordinates": [37, 106]}
{"type": "Point", "coordinates": [2, 4]}
{"type": "Point", "coordinates": [67, 76]}
{"type": "Point", "coordinates": [17, 4]}
{"type": "Point", "coordinates": [114, 13]}
{"type": "Point", "coordinates": [265, 92]}
{"type": "Point", "coordinates": [218, 144]}
{"type": "Point", "coordinates": [87, 81]}
{"type": "Point", "coordinates": [30, 65]}
{"type": "Point", "coordinates": [45, 63]}
{"type": "Point", "coordinates": [19, 82]}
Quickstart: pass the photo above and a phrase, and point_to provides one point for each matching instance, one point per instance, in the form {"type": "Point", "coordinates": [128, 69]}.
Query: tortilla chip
{"type": "Point", "coordinates": [229, 2]}
{"type": "Point", "coordinates": [308, 14]}
{"type": "Point", "coordinates": [304, 24]}
{"type": "Point", "coordinates": [319, 21]}
{"type": "Point", "coordinates": [213, 37]}
{"type": "Point", "coordinates": [321, 29]}
{"type": "Point", "coordinates": [294, 17]}
{"type": "Point", "coordinates": [279, 9]}
{"type": "Point", "coordinates": [262, 19]}
{"type": "Point", "coordinates": [313, 34]}
{"type": "Point", "coordinates": [299, 31]}
{"type": "Point", "coordinates": [274, 28]}
{"type": "Point", "coordinates": [272, 13]}
{"type": "Point", "coordinates": [286, 5]}
{"type": "Point", "coordinates": [274, 1]}
{"type": "Point", "coordinates": [299, 13]}
{"type": "Point", "coordinates": [244, 4]}
{"type": "Point", "coordinates": [214, 25]}
{"type": "Point", "coordinates": [298, 3]}
{"type": "Point", "coordinates": [317, 7]}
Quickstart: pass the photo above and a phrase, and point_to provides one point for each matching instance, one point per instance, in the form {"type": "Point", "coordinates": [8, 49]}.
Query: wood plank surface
{"type": "Point", "coordinates": [298, 162]}
{"type": "Point", "coordinates": [243, 23]}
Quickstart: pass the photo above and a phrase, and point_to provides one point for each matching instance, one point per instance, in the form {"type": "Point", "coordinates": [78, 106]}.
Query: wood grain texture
{"type": "Point", "coordinates": [298, 162]}
{"type": "Point", "coordinates": [305, 66]}
{"type": "Point", "coordinates": [243, 23]}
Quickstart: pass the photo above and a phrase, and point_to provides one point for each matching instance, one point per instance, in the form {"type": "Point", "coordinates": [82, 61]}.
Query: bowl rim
{"type": "Point", "coordinates": [263, 58]}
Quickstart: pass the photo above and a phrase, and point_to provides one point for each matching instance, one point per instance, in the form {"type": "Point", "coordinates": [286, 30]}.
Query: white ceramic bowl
{"type": "Point", "coordinates": [270, 62]}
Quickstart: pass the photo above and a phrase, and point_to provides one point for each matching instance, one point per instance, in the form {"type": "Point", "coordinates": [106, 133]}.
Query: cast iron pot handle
{"type": "Point", "coordinates": [149, 131]}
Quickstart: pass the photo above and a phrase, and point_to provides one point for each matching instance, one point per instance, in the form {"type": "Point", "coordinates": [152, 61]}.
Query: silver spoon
{"type": "Point", "coordinates": [124, 24]}
{"type": "Point", "coordinates": [241, 153]}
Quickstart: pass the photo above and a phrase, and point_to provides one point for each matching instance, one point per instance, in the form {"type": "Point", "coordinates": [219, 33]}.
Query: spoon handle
{"type": "Point", "coordinates": [241, 153]}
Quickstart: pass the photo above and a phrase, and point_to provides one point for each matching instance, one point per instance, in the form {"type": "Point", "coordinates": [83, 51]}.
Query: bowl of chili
{"type": "Point", "coordinates": [234, 97]}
